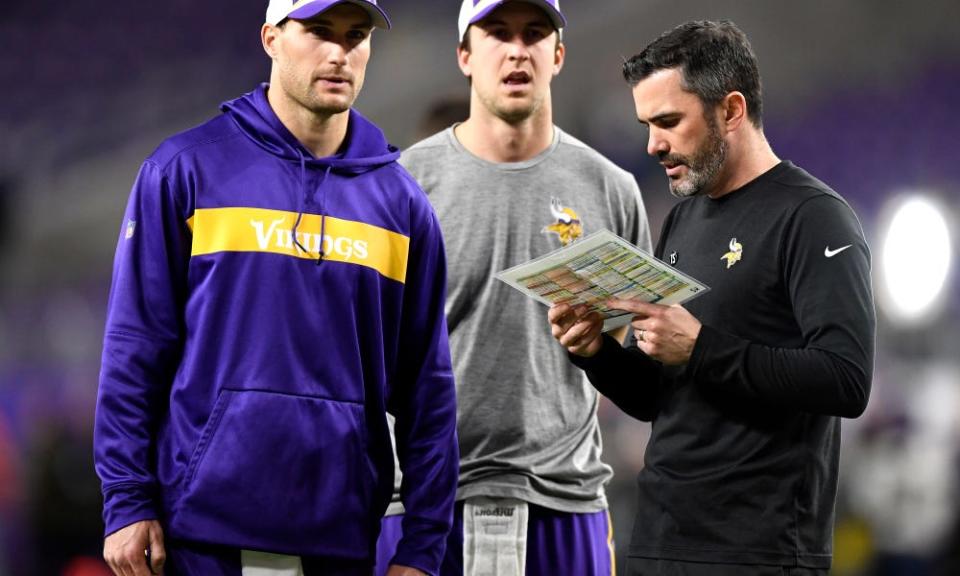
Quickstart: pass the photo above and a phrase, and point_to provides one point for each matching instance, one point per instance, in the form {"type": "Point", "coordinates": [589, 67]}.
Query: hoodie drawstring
{"type": "Point", "coordinates": [303, 196]}
{"type": "Point", "coordinates": [323, 211]}
{"type": "Point", "coordinates": [323, 214]}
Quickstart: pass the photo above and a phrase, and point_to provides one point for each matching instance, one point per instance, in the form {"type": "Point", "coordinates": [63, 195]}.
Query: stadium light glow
{"type": "Point", "coordinates": [915, 260]}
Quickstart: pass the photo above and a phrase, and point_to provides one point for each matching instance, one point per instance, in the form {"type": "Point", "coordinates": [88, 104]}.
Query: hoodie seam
{"type": "Point", "coordinates": [192, 146]}
{"type": "Point", "coordinates": [145, 486]}
{"type": "Point", "coordinates": [141, 336]}
{"type": "Point", "coordinates": [403, 173]}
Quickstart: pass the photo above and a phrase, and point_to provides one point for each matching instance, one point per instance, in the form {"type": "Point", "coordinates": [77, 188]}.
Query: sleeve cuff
{"type": "Point", "coordinates": [716, 356]}
{"type": "Point", "coordinates": [700, 349]}
{"type": "Point", "coordinates": [422, 546]}
{"type": "Point", "coordinates": [601, 358]}
{"type": "Point", "coordinates": [124, 505]}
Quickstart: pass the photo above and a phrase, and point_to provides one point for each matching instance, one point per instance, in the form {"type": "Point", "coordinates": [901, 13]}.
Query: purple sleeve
{"type": "Point", "coordinates": [424, 402]}
{"type": "Point", "coordinates": [141, 348]}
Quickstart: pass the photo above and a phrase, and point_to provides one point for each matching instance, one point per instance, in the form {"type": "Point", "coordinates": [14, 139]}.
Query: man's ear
{"type": "Point", "coordinates": [734, 112]}
{"type": "Point", "coordinates": [269, 36]}
{"type": "Point", "coordinates": [463, 60]}
{"type": "Point", "coordinates": [558, 57]}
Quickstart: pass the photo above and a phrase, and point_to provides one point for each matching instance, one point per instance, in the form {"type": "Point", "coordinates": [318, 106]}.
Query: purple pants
{"type": "Point", "coordinates": [557, 543]}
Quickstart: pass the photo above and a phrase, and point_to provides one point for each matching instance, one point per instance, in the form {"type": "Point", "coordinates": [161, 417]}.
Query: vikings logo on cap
{"type": "Point", "coordinates": [472, 11]}
{"type": "Point", "coordinates": [280, 10]}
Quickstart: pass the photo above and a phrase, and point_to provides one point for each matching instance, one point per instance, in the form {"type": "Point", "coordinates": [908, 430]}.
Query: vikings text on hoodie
{"type": "Point", "coordinates": [267, 308]}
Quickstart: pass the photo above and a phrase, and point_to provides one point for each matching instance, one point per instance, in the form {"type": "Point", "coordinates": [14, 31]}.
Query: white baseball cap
{"type": "Point", "coordinates": [279, 10]}
{"type": "Point", "coordinates": [472, 11]}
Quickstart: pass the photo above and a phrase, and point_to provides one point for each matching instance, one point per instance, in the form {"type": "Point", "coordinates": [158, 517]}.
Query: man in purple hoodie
{"type": "Point", "coordinates": [278, 287]}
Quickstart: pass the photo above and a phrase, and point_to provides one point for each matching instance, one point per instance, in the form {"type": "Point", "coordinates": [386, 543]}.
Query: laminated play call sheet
{"type": "Point", "coordinates": [597, 267]}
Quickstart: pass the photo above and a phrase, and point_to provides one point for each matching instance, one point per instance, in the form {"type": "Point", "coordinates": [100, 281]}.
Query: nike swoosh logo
{"type": "Point", "coordinates": [831, 253]}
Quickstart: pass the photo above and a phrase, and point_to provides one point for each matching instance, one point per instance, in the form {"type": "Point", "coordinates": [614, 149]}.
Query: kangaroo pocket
{"type": "Point", "coordinates": [280, 472]}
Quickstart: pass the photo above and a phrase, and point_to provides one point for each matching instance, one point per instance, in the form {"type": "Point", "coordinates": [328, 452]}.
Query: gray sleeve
{"type": "Point", "coordinates": [640, 226]}
{"type": "Point", "coordinates": [633, 214]}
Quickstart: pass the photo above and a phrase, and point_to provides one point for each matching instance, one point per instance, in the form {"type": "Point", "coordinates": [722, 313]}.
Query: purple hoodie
{"type": "Point", "coordinates": [247, 369]}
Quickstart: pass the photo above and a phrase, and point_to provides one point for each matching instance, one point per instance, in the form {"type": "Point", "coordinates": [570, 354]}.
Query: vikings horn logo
{"type": "Point", "coordinates": [567, 226]}
{"type": "Point", "coordinates": [735, 253]}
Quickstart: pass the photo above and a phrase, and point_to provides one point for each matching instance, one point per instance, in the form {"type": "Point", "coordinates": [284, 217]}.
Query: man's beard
{"type": "Point", "coordinates": [326, 105]}
{"type": "Point", "coordinates": [703, 167]}
{"type": "Point", "coordinates": [306, 96]}
{"type": "Point", "coordinates": [512, 115]}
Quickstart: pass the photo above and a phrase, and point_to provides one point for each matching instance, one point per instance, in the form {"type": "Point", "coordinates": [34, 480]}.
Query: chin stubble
{"type": "Point", "coordinates": [703, 167]}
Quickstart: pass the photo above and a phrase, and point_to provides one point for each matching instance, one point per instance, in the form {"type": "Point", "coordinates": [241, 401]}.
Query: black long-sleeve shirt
{"type": "Point", "coordinates": [742, 463]}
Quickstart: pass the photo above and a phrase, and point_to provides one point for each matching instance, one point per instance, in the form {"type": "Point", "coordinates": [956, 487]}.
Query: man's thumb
{"type": "Point", "coordinates": [158, 554]}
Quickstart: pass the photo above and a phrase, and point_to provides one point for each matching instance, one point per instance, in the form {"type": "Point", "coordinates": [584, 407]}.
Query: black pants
{"type": "Point", "coordinates": [654, 567]}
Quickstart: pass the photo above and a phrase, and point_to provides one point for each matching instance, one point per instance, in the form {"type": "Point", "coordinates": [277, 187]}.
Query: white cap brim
{"type": "Point", "coordinates": [279, 10]}
{"type": "Point", "coordinates": [471, 14]}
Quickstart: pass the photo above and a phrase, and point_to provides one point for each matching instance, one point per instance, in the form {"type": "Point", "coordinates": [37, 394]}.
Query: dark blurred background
{"type": "Point", "coordinates": [863, 93]}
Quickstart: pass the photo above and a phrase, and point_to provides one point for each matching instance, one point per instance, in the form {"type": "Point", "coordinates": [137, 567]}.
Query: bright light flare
{"type": "Point", "coordinates": [915, 261]}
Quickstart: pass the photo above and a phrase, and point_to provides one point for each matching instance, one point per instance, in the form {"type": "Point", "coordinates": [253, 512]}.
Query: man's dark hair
{"type": "Point", "coordinates": [714, 58]}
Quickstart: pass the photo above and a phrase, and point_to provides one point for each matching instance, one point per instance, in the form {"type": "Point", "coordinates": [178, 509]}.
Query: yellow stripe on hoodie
{"type": "Point", "coordinates": [262, 230]}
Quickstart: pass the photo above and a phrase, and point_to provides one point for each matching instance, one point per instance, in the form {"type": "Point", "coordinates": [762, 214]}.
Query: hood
{"type": "Point", "coordinates": [364, 148]}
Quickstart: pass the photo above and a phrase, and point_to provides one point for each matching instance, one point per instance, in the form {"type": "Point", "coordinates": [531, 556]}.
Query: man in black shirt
{"type": "Point", "coordinates": [744, 385]}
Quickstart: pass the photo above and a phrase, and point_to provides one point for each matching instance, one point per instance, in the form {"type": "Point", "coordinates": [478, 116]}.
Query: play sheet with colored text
{"type": "Point", "coordinates": [597, 267]}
